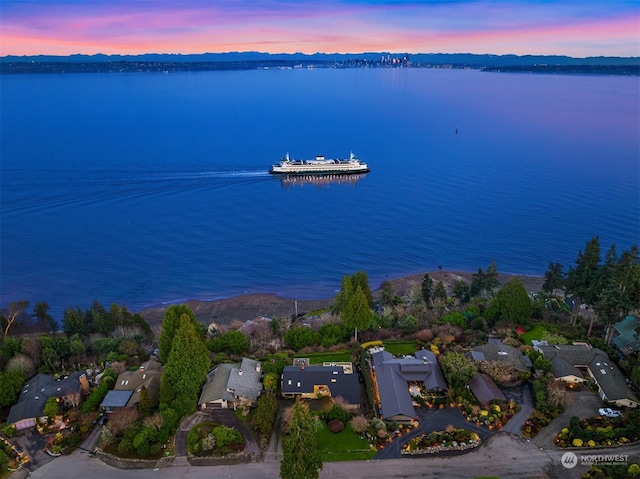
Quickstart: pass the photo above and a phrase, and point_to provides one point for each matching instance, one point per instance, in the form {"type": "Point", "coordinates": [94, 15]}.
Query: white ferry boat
{"type": "Point", "coordinates": [319, 166]}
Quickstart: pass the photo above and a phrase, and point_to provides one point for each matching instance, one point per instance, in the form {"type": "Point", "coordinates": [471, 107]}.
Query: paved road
{"type": "Point", "coordinates": [503, 455]}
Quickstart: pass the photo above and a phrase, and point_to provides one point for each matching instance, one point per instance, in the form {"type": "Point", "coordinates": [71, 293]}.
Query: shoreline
{"type": "Point", "coordinates": [245, 307]}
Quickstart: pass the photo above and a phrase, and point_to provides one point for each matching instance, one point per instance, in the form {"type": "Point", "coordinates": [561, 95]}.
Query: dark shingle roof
{"type": "Point", "coordinates": [484, 389]}
{"type": "Point", "coordinates": [393, 375]}
{"type": "Point", "coordinates": [296, 380]}
{"type": "Point", "coordinates": [37, 390]}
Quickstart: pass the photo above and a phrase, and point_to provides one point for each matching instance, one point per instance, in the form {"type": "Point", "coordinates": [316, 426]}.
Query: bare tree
{"type": "Point", "coordinates": [9, 317]}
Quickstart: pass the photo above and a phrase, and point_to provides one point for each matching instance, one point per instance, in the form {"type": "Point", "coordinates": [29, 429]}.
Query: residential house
{"type": "Point", "coordinates": [232, 385]}
{"type": "Point", "coordinates": [498, 351]}
{"type": "Point", "coordinates": [626, 335]}
{"type": "Point", "coordinates": [579, 361]}
{"type": "Point", "coordinates": [397, 379]}
{"type": "Point", "coordinates": [326, 380]}
{"type": "Point", "coordinates": [126, 392]}
{"type": "Point", "coordinates": [484, 389]}
{"type": "Point", "coordinates": [29, 410]}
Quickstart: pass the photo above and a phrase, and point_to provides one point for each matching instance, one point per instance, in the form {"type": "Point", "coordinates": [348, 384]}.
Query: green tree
{"type": "Point", "coordinates": [51, 408]}
{"type": "Point", "coordinates": [426, 288]}
{"type": "Point", "coordinates": [73, 322]}
{"type": "Point", "coordinates": [231, 342]}
{"type": "Point", "coordinates": [298, 337]}
{"type": "Point", "coordinates": [170, 325]}
{"type": "Point", "coordinates": [484, 283]}
{"type": "Point", "coordinates": [457, 369]}
{"type": "Point", "coordinates": [361, 279]}
{"type": "Point", "coordinates": [346, 290]}
{"type": "Point", "coordinates": [185, 369]}
{"type": "Point", "coordinates": [619, 292]}
{"type": "Point", "coordinates": [357, 313]}
{"type": "Point", "coordinates": [583, 279]}
{"type": "Point", "coordinates": [301, 457]}
{"type": "Point", "coordinates": [462, 291]}
{"type": "Point", "coordinates": [388, 296]}
{"type": "Point", "coordinates": [10, 386]}
{"type": "Point", "coordinates": [43, 318]}
{"type": "Point", "coordinates": [512, 302]}
{"type": "Point", "coordinates": [101, 320]}
{"type": "Point", "coordinates": [145, 405]}
{"type": "Point", "coordinates": [554, 278]}
{"type": "Point", "coordinates": [456, 319]}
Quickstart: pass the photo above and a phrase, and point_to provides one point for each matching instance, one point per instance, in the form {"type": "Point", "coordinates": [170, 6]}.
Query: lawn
{"type": "Point", "coordinates": [535, 333]}
{"type": "Point", "coordinates": [343, 446]}
{"type": "Point", "coordinates": [399, 348]}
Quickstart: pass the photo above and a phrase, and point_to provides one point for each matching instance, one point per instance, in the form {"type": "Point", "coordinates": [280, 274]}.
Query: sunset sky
{"type": "Point", "coordinates": [578, 28]}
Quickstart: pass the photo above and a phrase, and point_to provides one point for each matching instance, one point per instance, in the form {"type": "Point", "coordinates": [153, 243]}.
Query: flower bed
{"type": "Point", "coordinates": [494, 416]}
{"type": "Point", "coordinates": [440, 441]}
{"type": "Point", "coordinates": [596, 432]}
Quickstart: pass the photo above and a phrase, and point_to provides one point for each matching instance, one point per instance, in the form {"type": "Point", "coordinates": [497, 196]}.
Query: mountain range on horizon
{"type": "Point", "coordinates": [467, 59]}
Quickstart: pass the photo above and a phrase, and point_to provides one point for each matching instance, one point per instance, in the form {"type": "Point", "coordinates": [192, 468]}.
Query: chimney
{"type": "Point", "coordinates": [302, 365]}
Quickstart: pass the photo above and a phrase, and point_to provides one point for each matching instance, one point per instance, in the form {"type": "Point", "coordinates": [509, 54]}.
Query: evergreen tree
{"type": "Point", "coordinates": [462, 291]}
{"type": "Point", "coordinates": [426, 288]}
{"type": "Point", "coordinates": [145, 405]}
{"type": "Point", "coordinates": [554, 278]}
{"type": "Point", "coordinates": [512, 302]}
{"type": "Point", "coordinates": [491, 281]}
{"type": "Point", "coordinates": [387, 294]}
{"type": "Point", "coordinates": [440, 292]}
{"type": "Point", "coordinates": [361, 279]}
{"type": "Point", "coordinates": [73, 322]}
{"type": "Point", "coordinates": [170, 324]}
{"type": "Point", "coordinates": [619, 287]}
{"type": "Point", "coordinates": [44, 319]}
{"type": "Point", "coordinates": [583, 279]}
{"type": "Point", "coordinates": [301, 457]}
{"type": "Point", "coordinates": [346, 290]}
{"type": "Point", "coordinates": [185, 369]}
{"type": "Point", "coordinates": [357, 313]}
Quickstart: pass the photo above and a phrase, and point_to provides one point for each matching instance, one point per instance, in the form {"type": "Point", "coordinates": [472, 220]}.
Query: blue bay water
{"type": "Point", "coordinates": [145, 188]}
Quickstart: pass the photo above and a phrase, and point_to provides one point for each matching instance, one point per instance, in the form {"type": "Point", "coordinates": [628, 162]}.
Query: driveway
{"type": "Point", "coordinates": [582, 404]}
{"type": "Point", "coordinates": [225, 417]}
{"type": "Point", "coordinates": [431, 420]}
{"type": "Point", "coordinates": [522, 394]}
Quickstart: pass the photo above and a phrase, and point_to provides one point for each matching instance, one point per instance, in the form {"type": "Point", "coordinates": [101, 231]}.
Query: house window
{"type": "Point", "coordinates": [289, 382]}
{"type": "Point", "coordinates": [333, 380]}
{"type": "Point", "coordinates": [298, 383]}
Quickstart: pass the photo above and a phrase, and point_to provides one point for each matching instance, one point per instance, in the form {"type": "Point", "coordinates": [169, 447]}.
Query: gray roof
{"type": "Point", "coordinates": [216, 386]}
{"type": "Point", "coordinates": [299, 380]}
{"type": "Point", "coordinates": [611, 381]}
{"type": "Point", "coordinates": [115, 399]}
{"type": "Point", "coordinates": [228, 381]}
{"type": "Point", "coordinates": [393, 375]}
{"type": "Point", "coordinates": [579, 354]}
{"type": "Point", "coordinates": [484, 389]}
{"type": "Point", "coordinates": [561, 368]}
{"type": "Point", "coordinates": [37, 390]}
{"type": "Point", "coordinates": [502, 352]}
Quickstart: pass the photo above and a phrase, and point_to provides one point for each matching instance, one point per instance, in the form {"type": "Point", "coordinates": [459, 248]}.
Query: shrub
{"type": "Point", "coordinates": [335, 425]}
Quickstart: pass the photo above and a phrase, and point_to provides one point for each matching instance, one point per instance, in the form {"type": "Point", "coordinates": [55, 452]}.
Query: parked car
{"type": "Point", "coordinates": [608, 412]}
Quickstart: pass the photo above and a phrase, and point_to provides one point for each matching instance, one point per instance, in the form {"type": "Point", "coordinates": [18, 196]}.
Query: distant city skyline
{"type": "Point", "coordinates": [537, 27]}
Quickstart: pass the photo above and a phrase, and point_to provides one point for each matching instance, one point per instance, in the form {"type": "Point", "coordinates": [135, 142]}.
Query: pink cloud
{"type": "Point", "coordinates": [271, 26]}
